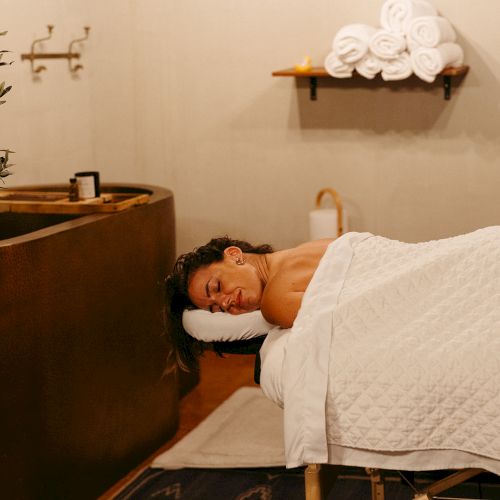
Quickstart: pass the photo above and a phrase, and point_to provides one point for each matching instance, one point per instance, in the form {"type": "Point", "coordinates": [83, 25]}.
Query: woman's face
{"type": "Point", "coordinates": [226, 286]}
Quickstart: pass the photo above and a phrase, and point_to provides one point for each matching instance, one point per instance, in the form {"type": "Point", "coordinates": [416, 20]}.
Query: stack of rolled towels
{"type": "Point", "coordinates": [412, 38]}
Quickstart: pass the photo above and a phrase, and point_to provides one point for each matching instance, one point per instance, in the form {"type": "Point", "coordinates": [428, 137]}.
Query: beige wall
{"type": "Point", "coordinates": [180, 94]}
{"type": "Point", "coordinates": [47, 119]}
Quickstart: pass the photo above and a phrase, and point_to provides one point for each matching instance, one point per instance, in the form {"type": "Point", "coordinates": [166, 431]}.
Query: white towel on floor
{"type": "Point", "coordinates": [387, 44]}
{"type": "Point", "coordinates": [430, 31]}
{"type": "Point", "coordinates": [398, 68]}
{"type": "Point", "coordinates": [429, 62]}
{"type": "Point", "coordinates": [397, 14]}
{"type": "Point", "coordinates": [369, 66]}
{"type": "Point", "coordinates": [246, 430]}
{"type": "Point", "coordinates": [336, 67]}
{"type": "Point", "coordinates": [351, 42]}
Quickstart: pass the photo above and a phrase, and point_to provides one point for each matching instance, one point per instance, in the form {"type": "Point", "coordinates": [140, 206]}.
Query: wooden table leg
{"type": "Point", "coordinates": [319, 480]}
{"type": "Point", "coordinates": [378, 490]}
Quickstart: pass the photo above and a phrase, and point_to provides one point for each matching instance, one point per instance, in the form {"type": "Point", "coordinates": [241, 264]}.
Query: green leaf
{"type": "Point", "coordinates": [3, 92]}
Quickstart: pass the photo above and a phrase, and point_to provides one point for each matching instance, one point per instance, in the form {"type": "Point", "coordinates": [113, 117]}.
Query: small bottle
{"type": "Point", "coordinates": [73, 189]}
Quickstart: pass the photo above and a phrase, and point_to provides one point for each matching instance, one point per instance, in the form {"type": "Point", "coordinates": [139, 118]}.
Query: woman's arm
{"type": "Point", "coordinates": [290, 275]}
{"type": "Point", "coordinates": [283, 294]}
{"type": "Point", "coordinates": [281, 308]}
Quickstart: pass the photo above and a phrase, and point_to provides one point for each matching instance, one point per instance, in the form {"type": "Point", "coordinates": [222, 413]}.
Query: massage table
{"type": "Point", "coordinates": [393, 361]}
{"type": "Point", "coordinates": [319, 479]}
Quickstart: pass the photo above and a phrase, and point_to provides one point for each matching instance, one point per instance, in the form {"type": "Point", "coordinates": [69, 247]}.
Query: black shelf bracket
{"type": "Point", "coordinates": [313, 87]}
{"type": "Point", "coordinates": [447, 87]}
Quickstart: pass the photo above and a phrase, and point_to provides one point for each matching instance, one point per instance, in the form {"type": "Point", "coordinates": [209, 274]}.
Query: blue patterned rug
{"type": "Point", "coordinates": [216, 484]}
{"type": "Point", "coordinates": [281, 484]}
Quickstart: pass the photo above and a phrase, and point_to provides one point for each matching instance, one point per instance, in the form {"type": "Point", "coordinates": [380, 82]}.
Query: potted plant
{"type": "Point", "coordinates": [4, 160]}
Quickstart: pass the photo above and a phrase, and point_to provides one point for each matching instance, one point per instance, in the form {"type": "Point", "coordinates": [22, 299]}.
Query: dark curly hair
{"type": "Point", "coordinates": [187, 349]}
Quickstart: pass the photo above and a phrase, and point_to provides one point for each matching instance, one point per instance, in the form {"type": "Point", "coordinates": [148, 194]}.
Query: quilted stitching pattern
{"type": "Point", "coordinates": [415, 360]}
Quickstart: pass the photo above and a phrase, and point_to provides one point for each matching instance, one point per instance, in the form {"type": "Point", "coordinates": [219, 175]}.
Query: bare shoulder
{"type": "Point", "coordinates": [282, 296]}
{"type": "Point", "coordinates": [296, 269]}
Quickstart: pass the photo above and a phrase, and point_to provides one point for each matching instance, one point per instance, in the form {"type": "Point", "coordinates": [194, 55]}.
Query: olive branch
{"type": "Point", "coordinates": [4, 164]}
{"type": "Point", "coordinates": [4, 160]}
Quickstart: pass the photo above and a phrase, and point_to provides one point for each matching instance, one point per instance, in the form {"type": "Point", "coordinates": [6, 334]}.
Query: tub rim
{"type": "Point", "coordinates": [157, 193]}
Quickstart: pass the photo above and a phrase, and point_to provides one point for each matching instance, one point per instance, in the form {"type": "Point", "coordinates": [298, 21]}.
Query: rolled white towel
{"type": "Point", "coordinates": [429, 62]}
{"type": "Point", "coordinates": [398, 68]}
{"type": "Point", "coordinates": [351, 42]}
{"type": "Point", "coordinates": [369, 66]}
{"type": "Point", "coordinates": [338, 68]}
{"type": "Point", "coordinates": [396, 15]}
{"type": "Point", "coordinates": [387, 44]}
{"type": "Point", "coordinates": [430, 31]}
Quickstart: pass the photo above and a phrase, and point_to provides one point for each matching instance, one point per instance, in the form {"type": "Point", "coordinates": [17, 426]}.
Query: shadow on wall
{"type": "Point", "coordinates": [407, 105]}
{"type": "Point", "coordinates": [195, 231]}
{"type": "Point", "coordinates": [373, 105]}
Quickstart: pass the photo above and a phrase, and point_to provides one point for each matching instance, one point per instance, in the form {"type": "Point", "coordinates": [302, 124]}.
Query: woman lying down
{"type": "Point", "coordinates": [388, 346]}
{"type": "Point", "coordinates": [236, 277]}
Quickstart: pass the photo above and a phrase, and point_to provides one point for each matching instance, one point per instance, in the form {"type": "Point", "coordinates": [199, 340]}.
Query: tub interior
{"type": "Point", "coordinates": [17, 224]}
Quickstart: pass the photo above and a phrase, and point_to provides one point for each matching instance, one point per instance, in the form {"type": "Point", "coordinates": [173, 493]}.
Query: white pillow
{"type": "Point", "coordinates": [221, 327]}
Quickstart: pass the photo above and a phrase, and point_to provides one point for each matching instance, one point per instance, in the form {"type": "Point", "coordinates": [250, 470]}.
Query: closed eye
{"type": "Point", "coordinates": [214, 307]}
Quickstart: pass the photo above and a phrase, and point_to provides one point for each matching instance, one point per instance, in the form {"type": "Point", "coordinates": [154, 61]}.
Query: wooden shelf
{"type": "Point", "coordinates": [319, 72]}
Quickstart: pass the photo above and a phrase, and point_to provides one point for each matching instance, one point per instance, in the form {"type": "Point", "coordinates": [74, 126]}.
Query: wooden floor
{"type": "Point", "coordinates": [219, 378]}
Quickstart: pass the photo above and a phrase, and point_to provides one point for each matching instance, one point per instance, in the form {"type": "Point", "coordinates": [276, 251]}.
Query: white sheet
{"type": "Point", "coordinates": [307, 353]}
{"type": "Point", "coordinates": [367, 285]}
{"type": "Point", "coordinates": [272, 357]}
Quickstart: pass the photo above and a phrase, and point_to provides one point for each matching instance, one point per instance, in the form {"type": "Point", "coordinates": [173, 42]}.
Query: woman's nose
{"type": "Point", "coordinates": [224, 302]}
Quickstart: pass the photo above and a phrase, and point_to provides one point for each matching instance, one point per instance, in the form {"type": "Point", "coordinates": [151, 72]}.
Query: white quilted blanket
{"type": "Point", "coordinates": [397, 348]}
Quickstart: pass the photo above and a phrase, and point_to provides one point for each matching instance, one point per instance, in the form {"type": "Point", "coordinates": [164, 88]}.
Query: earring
{"type": "Point", "coordinates": [239, 261]}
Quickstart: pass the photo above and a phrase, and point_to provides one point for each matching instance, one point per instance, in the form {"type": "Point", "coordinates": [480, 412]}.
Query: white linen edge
{"type": "Point", "coordinates": [308, 347]}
